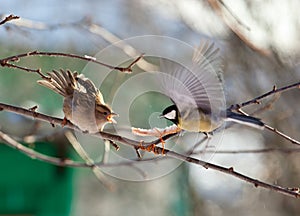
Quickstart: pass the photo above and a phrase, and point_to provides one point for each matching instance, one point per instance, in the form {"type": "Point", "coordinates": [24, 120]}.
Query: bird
{"type": "Point", "coordinates": [196, 91]}
{"type": "Point", "coordinates": [83, 103]}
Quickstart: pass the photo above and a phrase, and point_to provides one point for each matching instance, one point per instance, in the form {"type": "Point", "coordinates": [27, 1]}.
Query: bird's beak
{"type": "Point", "coordinates": [111, 119]}
{"type": "Point", "coordinates": [114, 114]}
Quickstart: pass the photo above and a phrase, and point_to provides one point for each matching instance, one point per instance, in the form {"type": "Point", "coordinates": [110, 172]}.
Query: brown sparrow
{"type": "Point", "coordinates": [83, 102]}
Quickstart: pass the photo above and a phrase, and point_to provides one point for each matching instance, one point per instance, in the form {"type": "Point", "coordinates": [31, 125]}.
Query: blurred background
{"type": "Point", "coordinates": [259, 42]}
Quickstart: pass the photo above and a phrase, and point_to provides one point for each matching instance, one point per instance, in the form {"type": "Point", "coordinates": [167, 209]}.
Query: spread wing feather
{"type": "Point", "coordinates": [66, 83]}
{"type": "Point", "coordinates": [198, 84]}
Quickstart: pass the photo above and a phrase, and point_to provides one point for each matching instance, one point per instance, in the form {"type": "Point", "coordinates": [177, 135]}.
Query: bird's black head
{"type": "Point", "coordinates": [171, 113]}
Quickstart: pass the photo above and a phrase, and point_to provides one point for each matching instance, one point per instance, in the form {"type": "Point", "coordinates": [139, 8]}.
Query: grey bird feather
{"type": "Point", "coordinates": [198, 84]}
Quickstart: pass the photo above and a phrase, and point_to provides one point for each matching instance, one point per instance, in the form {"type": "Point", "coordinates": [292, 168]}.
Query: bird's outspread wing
{"type": "Point", "coordinates": [195, 85]}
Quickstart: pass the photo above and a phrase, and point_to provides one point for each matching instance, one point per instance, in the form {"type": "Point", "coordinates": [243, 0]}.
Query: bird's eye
{"type": "Point", "coordinates": [105, 113]}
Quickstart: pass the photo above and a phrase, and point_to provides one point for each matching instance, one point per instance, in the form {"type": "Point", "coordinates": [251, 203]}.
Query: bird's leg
{"type": "Point", "coordinates": [208, 134]}
{"type": "Point", "coordinates": [138, 152]}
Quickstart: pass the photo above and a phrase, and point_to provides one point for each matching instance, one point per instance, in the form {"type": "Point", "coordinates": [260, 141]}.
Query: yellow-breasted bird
{"type": "Point", "coordinates": [196, 91]}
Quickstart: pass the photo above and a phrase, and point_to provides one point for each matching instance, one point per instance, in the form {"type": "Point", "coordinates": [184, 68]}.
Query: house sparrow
{"type": "Point", "coordinates": [83, 104]}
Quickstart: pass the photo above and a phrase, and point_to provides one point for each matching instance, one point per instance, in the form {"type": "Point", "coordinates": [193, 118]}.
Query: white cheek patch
{"type": "Point", "coordinates": [170, 115]}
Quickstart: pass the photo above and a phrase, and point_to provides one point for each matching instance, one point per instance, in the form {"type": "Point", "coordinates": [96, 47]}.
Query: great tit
{"type": "Point", "coordinates": [197, 93]}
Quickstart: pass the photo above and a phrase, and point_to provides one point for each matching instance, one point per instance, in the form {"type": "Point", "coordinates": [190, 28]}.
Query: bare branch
{"type": "Point", "coordinates": [58, 121]}
{"type": "Point", "coordinates": [234, 16]}
{"type": "Point", "coordinates": [36, 155]}
{"type": "Point", "coordinates": [151, 146]}
{"type": "Point", "coordinates": [293, 141]}
{"type": "Point", "coordinates": [64, 162]}
{"type": "Point", "coordinates": [84, 155]}
{"type": "Point", "coordinates": [86, 24]}
{"type": "Point", "coordinates": [231, 171]}
{"type": "Point", "coordinates": [112, 39]}
{"type": "Point", "coordinates": [38, 71]}
{"type": "Point", "coordinates": [9, 18]}
{"type": "Point", "coordinates": [6, 62]}
{"type": "Point", "coordinates": [256, 100]}
{"type": "Point", "coordinates": [251, 151]}
{"type": "Point", "coordinates": [216, 6]}
{"type": "Point", "coordinates": [29, 113]}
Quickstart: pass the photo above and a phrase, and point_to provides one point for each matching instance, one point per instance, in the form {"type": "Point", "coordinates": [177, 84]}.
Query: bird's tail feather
{"type": "Point", "coordinates": [245, 120]}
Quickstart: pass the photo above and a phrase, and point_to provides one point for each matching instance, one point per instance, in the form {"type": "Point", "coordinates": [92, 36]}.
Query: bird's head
{"type": "Point", "coordinates": [171, 113]}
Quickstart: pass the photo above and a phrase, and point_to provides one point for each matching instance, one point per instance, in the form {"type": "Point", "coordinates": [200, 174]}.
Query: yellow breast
{"type": "Point", "coordinates": [201, 124]}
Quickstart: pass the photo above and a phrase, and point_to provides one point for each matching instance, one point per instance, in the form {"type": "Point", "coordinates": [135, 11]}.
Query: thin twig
{"type": "Point", "coordinates": [64, 162]}
{"type": "Point", "coordinates": [216, 6]}
{"type": "Point", "coordinates": [38, 71]}
{"type": "Point", "coordinates": [36, 155]}
{"type": "Point", "coordinates": [251, 151]}
{"type": "Point", "coordinates": [231, 171]}
{"type": "Point", "coordinates": [256, 100]}
{"type": "Point", "coordinates": [116, 41]}
{"type": "Point", "coordinates": [84, 155]}
{"type": "Point", "coordinates": [194, 147]}
{"type": "Point", "coordinates": [267, 106]}
{"type": "Point", "coordinates": [6, 62]}
{"type": "Point", "coordinates": [293, 141]}
{"type": "Point", "coordinates": [168, 153]}
{"type": "Point", "coordinates": [9, 18]}
{"type": "Point", "coordinates": [86, 24]}
{"type": "Point", "coordinates": [234, 16]}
